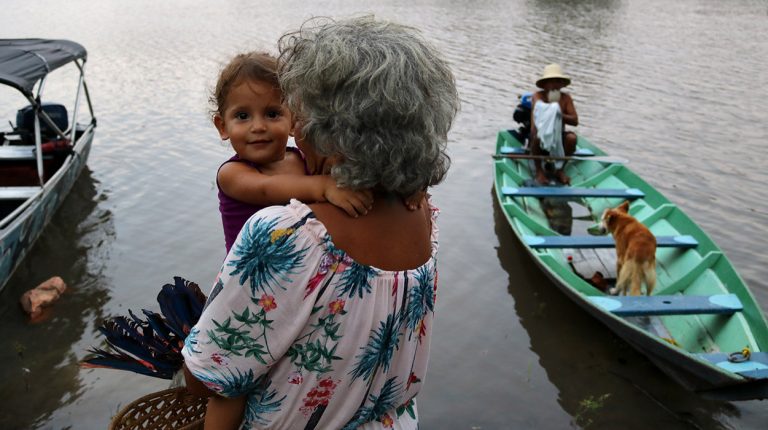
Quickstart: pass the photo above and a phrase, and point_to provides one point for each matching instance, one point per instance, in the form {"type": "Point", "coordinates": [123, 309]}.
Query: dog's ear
{"type": "Point", "coordinates": [611, 218]}
{"type": "Point", "coordinates": [624, 207]}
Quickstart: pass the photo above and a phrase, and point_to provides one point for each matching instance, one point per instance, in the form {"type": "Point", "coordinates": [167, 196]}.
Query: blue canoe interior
{"type": "Point", "coordinates": [701, 326]}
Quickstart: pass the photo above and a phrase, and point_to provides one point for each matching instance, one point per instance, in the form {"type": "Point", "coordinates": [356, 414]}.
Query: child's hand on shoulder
{"type": "Point", "coordinates": [415, 200]}
{"type": "Point", "coordinates": [353, 202]}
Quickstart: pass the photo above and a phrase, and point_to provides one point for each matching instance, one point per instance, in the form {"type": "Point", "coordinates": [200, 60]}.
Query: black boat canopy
{"type": "Point", "coordinates": [23, 62]}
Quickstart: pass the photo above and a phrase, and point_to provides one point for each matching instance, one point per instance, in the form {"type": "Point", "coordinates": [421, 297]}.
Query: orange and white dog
{"type": "Point", "coordinates": [635, 251]}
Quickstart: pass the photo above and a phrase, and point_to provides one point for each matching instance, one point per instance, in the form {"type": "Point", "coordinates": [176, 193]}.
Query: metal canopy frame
{"type": "Point", "coordinates": [60, 52]}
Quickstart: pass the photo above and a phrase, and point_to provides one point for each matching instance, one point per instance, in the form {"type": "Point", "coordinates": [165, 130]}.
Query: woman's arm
{"type": "Point", "coordinates": [194, 385]}
{"type": "Point", "coordinates": [221, 413]}
{"type": "Point", "coordinates": [246, 184]}
{"type": "Point", "coordinates": [224, 414]}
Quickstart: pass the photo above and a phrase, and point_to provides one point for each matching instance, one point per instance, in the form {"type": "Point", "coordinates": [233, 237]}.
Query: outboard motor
{"type": "Point", "coordinates": [522, 116]}
{"type": "Point", "coordinates": [25, 120]}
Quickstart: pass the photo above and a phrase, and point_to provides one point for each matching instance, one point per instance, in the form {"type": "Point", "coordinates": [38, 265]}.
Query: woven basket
{"type": "Point", "coordinates": [171, 409]}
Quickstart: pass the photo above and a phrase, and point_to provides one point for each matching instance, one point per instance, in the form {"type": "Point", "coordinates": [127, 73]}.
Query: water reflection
{"type": "Point", "coordinates": [40, 370]}
{"type": "Point", "coordinates": [559, 215]}
{"type": "Point", "coordinates": [603, 383]}
{"type": "Point", "coordinates": [567, 217]}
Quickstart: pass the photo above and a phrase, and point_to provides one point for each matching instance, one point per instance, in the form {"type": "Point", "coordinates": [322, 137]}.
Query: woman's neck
{"type": "Point", "coordinates": [388, 196]}
{"type": "Point", "coordinates": [319, 165]}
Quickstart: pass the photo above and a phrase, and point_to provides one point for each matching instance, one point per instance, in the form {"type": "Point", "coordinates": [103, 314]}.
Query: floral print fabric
{"type": "Point", "coordinates": [312, 338]}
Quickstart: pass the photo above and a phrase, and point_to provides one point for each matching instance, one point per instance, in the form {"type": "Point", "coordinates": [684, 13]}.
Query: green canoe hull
{"type": "Point", "coordinates": [681, 345]}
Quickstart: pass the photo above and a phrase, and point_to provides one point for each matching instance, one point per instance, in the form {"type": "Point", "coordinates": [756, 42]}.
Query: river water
{"type": "Point", "coordinates": [679, 88]}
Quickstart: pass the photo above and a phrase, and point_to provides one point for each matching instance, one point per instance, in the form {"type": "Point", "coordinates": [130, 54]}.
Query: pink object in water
{"type": "Point", "coordinates": [45, 294]}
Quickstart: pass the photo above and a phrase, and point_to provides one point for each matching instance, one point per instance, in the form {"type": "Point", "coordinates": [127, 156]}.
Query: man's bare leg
{"type": "Point", "coordinates": [569, 147]}
{"type": "Point", "coordinates": [540, 177]}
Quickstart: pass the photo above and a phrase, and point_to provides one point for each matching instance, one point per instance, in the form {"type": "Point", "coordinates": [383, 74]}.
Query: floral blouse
{"type": "Point", "coordinates": [314, 339]}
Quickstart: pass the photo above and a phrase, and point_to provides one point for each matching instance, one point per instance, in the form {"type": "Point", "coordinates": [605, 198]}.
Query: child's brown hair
{"type": "Point", "coordinates": [257, 66]}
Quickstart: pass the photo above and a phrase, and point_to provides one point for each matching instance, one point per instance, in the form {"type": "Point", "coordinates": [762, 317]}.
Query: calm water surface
{"type": "Point", "coordinates": [677, 87]}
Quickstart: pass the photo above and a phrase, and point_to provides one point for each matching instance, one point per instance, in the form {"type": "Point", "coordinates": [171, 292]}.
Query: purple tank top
{"type": "Point", "coordinates": [235, 213]}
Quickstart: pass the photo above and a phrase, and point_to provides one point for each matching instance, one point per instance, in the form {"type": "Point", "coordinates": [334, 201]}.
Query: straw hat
{"type": "Point", "coordinates": [553, 71]}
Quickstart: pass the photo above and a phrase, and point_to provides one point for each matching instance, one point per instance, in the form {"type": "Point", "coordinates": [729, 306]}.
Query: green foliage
{"type": "Point", "coordinates": [313, 356]}
{"type": "Point", "coordinates": [238, 340]}
{"type": "Point", "coordinates": [589, 406]}
{"type": "Point", "coordinates": [406, 408]}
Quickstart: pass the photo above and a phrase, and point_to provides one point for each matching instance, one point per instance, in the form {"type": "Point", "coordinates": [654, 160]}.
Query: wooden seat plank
{"type": "Point", "coordinates": [18, 193]}
{"type": "Point", "coordinates": [755, 367]}
{"type": "Point", "coordinates": [580, 152]}
{"type": "Point", "coordinates": [627, 193]}
{"type": "Point", "coordinates": [538, 242]}
{"type": "Point", "coordinates": [668, 305]}
{"type": "Point", "coordinates": [17, 152]}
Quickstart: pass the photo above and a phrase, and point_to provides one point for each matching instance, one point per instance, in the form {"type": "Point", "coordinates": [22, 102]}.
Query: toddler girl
{"type": "Point", "coordinates": [250, 113]}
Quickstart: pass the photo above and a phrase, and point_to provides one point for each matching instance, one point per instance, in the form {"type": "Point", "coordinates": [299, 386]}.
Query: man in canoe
{"type": "Point", "coordinates": [552, 109]}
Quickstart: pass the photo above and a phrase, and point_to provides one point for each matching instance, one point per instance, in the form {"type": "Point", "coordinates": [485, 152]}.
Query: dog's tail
{"type": "Point", "coordinates": [649, 273]}
{"type": "Point", "coordinates": [623, 281]}
{"type": "Point", "coordinates": [633, 274]}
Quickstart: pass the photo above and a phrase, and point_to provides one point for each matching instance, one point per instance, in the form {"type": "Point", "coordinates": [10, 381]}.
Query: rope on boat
{"type": "Point", "coordinates": [740, 356]}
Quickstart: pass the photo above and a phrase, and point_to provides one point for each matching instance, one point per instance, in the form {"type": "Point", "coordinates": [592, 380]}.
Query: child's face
{"type": "Point", "coordinates": [255, 122]}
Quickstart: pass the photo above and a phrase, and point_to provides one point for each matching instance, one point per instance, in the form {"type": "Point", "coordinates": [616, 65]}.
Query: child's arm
{"type": "Point", "coordinates": [248, 185]}
{"type": "Point", "coordinates": [224, 413]}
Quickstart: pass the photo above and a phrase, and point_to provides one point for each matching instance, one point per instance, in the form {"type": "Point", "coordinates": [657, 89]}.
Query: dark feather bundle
{"type": "Point", "coordinates": [151, 346]}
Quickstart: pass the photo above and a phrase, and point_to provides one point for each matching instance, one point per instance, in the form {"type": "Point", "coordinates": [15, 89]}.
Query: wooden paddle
{"type": "Point", "coordinates": [600, 158]}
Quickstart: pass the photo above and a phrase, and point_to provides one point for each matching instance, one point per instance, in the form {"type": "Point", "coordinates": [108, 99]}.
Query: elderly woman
{"type": "Point", "coordinates": [318, 319]}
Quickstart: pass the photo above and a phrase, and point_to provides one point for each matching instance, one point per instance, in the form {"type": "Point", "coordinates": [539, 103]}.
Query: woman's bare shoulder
{"type": "Point", "coordinates": [372, 238]}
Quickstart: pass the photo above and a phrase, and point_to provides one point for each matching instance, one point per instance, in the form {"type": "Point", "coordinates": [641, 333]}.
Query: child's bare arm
{"type": "Point", "coordinates": [353, 202]}
{"type": "Point", "coordinates": [224, 413]}
{"type": "Point", "coordinates": [248, 185]}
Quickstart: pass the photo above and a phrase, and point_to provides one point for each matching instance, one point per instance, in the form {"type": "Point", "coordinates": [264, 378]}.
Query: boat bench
{"type": "Point", "coordinates": [17, 152]}
{"type": "Point", "coordinates": [632, 306]}
{"type": "Point", "coordinates": [756, 366]}
{"type": "Point", "coordinates": [18, 193]}
{"type": "Point", "coordinates": [627, 193]}
{"type": "Point", "coordinates": [536, 242]}
{"type": "Point", "coordinates": [581, 152]}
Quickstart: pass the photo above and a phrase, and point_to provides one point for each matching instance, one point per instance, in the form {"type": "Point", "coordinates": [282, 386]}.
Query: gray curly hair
{"type": "Point", "coordinates": [374, 93]}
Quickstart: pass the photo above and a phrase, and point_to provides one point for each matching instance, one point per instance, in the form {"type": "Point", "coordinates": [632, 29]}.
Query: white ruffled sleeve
{"type": "Point", "coordinates": [257, 307]}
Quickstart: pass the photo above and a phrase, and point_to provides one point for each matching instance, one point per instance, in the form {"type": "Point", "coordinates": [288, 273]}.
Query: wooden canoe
{"type": "Point", "coordinates": [702, 325]}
